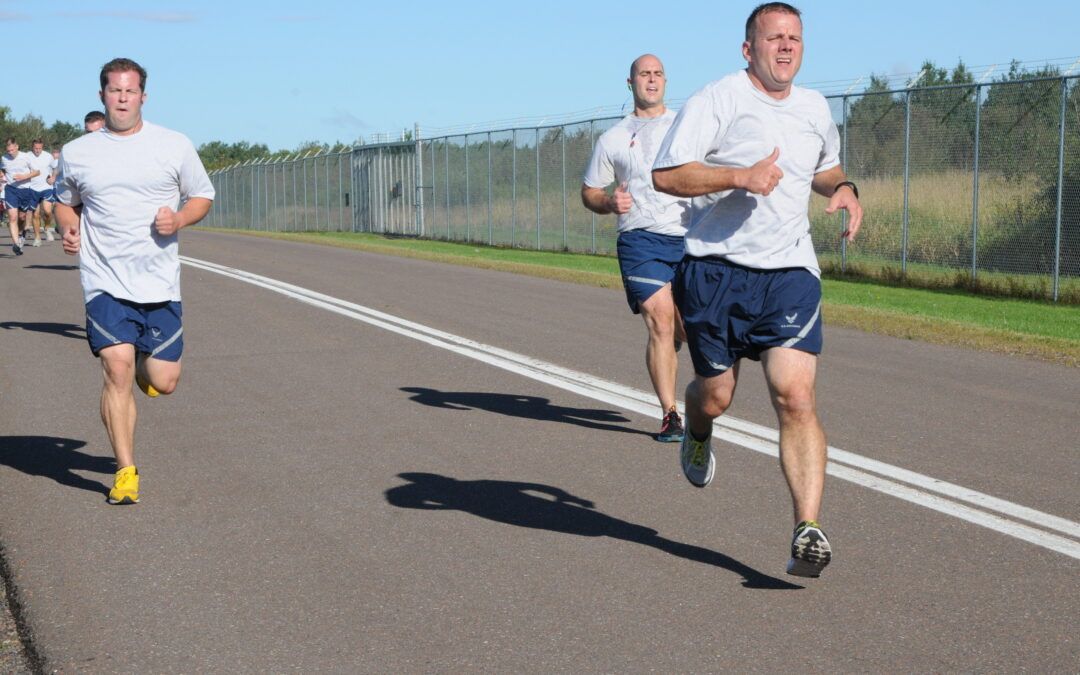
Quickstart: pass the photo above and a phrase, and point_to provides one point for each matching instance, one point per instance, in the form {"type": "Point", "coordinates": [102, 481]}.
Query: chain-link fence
{"type": "Point", "coordinates": [976, 183]}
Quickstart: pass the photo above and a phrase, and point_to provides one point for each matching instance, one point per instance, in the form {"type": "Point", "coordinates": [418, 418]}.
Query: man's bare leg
{"type": "Point", "coordinates": [117, 402]}
{"type": "Point", "coordinates": [661, 319]}
{"type": "Point", "coordinates": [791, 377]}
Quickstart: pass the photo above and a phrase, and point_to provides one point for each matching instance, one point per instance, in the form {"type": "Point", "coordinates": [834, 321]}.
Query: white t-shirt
{"type": "Point", "coordinates": [731, 123]}
{"type": "Point", "coordinates": [18, 164]}
{"type": "Point", "coordinates": [624, 154]}
{"type": "Point", "coordinates": [121, 182]}
{"type": "Point", "coordinates": [54, 166]}
{"type": "Point", "coordinates": [43, 163]}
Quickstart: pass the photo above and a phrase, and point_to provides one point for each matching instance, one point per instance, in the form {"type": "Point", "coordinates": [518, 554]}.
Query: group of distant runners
{"type": "Point", "coordinates": [714, 248]}
{"type": "Point", "coordinates": [28, 187]}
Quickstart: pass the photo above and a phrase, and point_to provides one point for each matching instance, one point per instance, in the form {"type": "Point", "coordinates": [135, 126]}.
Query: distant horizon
{"type": "Point", "coordinates": [263, 74]}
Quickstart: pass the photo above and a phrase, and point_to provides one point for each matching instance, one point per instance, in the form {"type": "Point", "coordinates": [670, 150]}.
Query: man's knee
{"type": "Point", "coordinates": [796, 403]}
{"type": "Point", "coordinates": [659, 312]}
{"type": "Point", "coordinates": [118, 365]}
{"type": "Point", "coordinates": [713, 396]}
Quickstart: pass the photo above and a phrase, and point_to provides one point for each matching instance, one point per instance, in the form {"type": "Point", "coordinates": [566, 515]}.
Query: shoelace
{"type": "Point", "coordinates": [698, 458]}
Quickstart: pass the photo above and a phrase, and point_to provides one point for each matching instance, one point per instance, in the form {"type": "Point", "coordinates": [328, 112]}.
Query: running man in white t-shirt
{"type": "Point", "coordinates": [651, 226]}
{"type": "Point", "coordinates": [748, 149]}
{"type": "Point", "coordinates": [118, 192]}
{"type": "Point", "coordinates": [17, 195]}
{"type": "Point", "coordinates": [41, 162]}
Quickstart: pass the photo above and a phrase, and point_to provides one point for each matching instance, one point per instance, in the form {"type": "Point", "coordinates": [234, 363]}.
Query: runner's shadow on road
{"type": "Point", "coordinates": [70, 330]}
{"type": "Point", "coordinates": [549, 508]}
{"type": "Point", "coordinates": [56, 458]}
{"type": "Point", "coordinates": [51, 267]}
{"type": "Point", "coordinates": [528, 407]}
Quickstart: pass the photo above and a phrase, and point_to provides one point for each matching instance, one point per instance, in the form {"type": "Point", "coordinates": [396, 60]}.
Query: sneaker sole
{"type": "Point", "coordinates": [123, 502]}
{"type": "Point", "coordinates": [804, 568]}
{"type": "Point", "coordinates": [669, 438]}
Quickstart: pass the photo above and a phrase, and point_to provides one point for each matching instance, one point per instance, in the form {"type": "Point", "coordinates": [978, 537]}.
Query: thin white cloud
{"type": "Point", "coordinates": [152, 17]}
{"type": "Point", "coordinates": [345, 120]}
{"type": "Point", "coordinates": [14, 16]}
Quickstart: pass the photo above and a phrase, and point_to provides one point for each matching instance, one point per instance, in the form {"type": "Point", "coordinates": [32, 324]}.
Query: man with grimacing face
{"type": "Point", "coordinates": [128, 189]}
{"type": "Point", "coordinates": [748, 149]}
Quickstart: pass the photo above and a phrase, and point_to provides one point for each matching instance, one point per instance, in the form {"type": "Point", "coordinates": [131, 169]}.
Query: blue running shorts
{"type": "Point", "coordinates": [44, 196]}
{"type": "Point", "coordinates": [154, 329]}
{"type": "Point", "coordinates": [18, 198]}
{"type": "Point", "coordinates": [647, 262]}
{"type": "Point", "coordinates": [733, 312]}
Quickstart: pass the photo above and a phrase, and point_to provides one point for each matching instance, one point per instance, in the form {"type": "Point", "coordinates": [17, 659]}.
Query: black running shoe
{"type": "Point", "coordinates": [671, 428]}
{"type": "Point", "coordinates": [16, 249]}
{"type": "Point", "coordinates": [810, 550]}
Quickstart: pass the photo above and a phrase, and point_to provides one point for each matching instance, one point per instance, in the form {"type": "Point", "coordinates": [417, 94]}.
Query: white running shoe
{"type": "Point", "coordinates": [37, 242]}
{"type": "Point", "coordinates": [697, 459]}
{"type": "Point", "coordinates": [49, 235]}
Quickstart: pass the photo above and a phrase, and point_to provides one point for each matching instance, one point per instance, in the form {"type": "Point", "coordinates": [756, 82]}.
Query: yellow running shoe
{"type": "Point", "coordinates": [125, 487]}
{"type": "Point", "coordinates": [146, 387]}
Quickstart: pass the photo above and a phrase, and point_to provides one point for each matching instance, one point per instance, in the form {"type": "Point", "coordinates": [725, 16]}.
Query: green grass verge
{"type": "Point", "coordinates": [1026, 328]}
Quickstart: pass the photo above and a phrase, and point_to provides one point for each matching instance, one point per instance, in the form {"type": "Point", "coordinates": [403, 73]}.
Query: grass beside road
{"type": "Point", "coordinates": [1018, 327]}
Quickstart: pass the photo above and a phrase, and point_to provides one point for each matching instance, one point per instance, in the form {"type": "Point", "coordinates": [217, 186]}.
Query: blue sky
{"type": "Point", "coordinates": [282, 73]}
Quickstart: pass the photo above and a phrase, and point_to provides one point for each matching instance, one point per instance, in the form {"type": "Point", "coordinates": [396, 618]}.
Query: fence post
{"type": "Point", "coordinates": [513, 189]}
{"type": "Point", "coordinates": [975, 187]}
{"type": "Point", "coordinates": [446, 154]}
{"type": "Point", "coordinates": [1061, 186]}
{"type": "Point", "coordinates": [468, 197]}
{"type": "Point", "coordinates": [490, 224]}
{"type": "Point", "coordinates": [907, 179]}
{"type": "Point", "coordinates": [562, 142]}
{"type": "Point", "coordinates": [843, 212]}
{"type": "Point", "coordinates": [418, 172]}
{"type": "Point", "coordinates": [592, 148]}
{"type": "Point", "coordinates": [537, 188]}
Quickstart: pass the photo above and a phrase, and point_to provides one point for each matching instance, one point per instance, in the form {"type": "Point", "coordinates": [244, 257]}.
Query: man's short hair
{"type": "Point", "coordinates": [122, 66]}
{"type": "Point", "coordinates": [36, 141]}
{"type": "Point", "coordinates": [94, 116]}
{"type": "Point", "coordinates": [11, 140]}
{"type": "Point", "coordinates": [751, 23]}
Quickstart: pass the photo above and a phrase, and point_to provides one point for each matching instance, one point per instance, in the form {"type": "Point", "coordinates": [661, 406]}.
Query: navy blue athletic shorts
{"type": "Point", "coordinates": [154, 329]}
{"type": "Point", "coordinates": [18, 198]}
{"type": "Point", "coordinates": [647, 262]}
{"type": "Point", "coordinates": [733, 312]}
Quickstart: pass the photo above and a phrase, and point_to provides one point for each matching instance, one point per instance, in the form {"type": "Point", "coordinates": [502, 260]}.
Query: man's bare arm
{"type": "Point", "coordinates": [825, 184]}
{"type": "Point", "coordinates": [694, 179]}
{"type": "Point", "coordinates": [599, 201]}
{"type": "Point", "coordinates": [168, 222]}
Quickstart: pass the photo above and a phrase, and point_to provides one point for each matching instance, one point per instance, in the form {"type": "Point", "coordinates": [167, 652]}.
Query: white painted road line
{"type": "Point", "coordinates": [919, 489]}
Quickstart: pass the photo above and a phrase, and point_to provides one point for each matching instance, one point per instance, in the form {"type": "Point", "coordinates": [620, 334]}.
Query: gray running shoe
{"type": "Point", "coordinates": [810, 550]}
{"type": "Point", "coordinates": [698, 461]}
{"type": "Point", "coordinates": [37, 243]}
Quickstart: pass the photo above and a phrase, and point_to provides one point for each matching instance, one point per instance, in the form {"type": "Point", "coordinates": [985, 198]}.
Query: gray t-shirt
{"type": "Point", "coordinates": [731, 123]}
{"type": "Point", "coordinates": [624, 154]}
{"type": "Point", "coordinates": [121, 182]}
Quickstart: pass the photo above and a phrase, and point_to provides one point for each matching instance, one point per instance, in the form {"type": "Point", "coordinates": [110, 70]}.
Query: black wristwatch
{"type": "Point", "coordinates": [854, 188]}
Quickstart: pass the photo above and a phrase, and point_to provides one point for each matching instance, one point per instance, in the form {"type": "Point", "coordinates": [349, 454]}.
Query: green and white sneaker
{"type": "Point", "coordinates": [698, 461]}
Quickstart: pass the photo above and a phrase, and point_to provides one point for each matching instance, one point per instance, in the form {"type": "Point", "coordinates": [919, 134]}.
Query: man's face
{"type": "Point", "coordinates": [648, 82]}
{"type": "Point", "coordinates": [123, 98]}
{"type": "Point", "coordinates": [56, 154]}
{"type": "Point", "coordinates": [776, 51]}
{"type": "Point", "coordinates": [37, 148]}
{"type": "Point", "coordinates": [93, 125]}
{"type": "Point", "coordinates": [12, 149]}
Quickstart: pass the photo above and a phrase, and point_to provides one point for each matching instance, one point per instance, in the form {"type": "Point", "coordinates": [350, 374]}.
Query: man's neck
{"type": "Point", "coordinates": [130, 132]}
{"type": "Point", "coordinates": [651, 111]}
{"type": "Point", "coordinates": [760, 86]}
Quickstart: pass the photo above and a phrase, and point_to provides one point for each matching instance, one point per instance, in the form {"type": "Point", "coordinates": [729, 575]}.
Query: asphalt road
{"type": "Point", "coordinates": [325, 494]}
